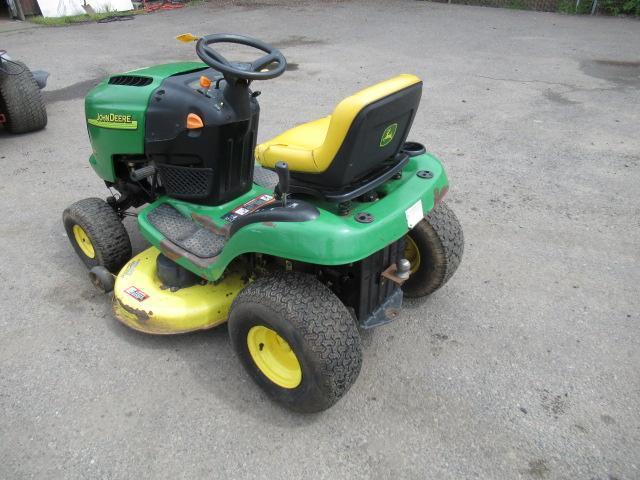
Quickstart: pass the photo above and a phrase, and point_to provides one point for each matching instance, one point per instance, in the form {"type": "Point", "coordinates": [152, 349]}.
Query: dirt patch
{"type": "Point", "coordinates": [558, 98]}
{"type": "Point", "coordinates": [607, 419]}
{"type": "Point", "coordinates": [72, 92]}
{"type": "Point", "coordinates": [553, 405]}
{"type": "Point", "coordinates": [620, 72]}
{"type": "Point", "coordinates": [538, 468]}
{"type": "Point", "coordinates": [297, 41]}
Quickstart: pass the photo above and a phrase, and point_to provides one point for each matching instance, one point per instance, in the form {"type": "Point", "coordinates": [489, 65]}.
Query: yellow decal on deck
{"type": "Point", "coordinates": [114, 120]}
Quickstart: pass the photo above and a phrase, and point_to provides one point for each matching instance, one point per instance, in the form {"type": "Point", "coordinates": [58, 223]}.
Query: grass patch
{"type": "Point", "coordinates": [618, 7]}
{"type": "Point", "coordinates": [517, 5]}
{"type": "Point", "coordinates": [608, 7]}
{"type": "Point", "coordinates": [85, 18]}
{"type": "Point", "coordinates": [569, 7]}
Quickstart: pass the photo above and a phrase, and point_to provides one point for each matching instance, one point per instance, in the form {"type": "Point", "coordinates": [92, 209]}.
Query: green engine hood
{"type": "Point", "coordinates": [116, 113]}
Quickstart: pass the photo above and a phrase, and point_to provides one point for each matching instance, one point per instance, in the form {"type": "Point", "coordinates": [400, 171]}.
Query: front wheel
{"type": "Point", "coordinates": [296, 339]}
{"type": "Point", "coordinates": [434, 249]}
{"type": "Point", "coordinates": [97, 234]}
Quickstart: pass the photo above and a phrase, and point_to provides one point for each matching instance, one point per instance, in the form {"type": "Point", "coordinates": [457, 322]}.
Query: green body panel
{"type": "Point", "coordinates": [330, 239]}
{"type": "Point", "coordinates": [127, 106]}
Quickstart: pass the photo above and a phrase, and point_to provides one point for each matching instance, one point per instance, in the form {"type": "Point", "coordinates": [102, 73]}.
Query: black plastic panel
{"type": "Point", "coordinates": [374, 288]}
{"type": "Point", "coordinates": [130, 80]}
{"type": "Point", "coordinates": [375, 299]}
{"type": "Point", "coordinates": [220, 154]}
{"type": "Point", "coordinates": [294, 211]}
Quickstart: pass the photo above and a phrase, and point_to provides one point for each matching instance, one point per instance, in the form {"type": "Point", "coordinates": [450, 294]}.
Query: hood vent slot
{"type": "Point", "coordinates": [130, 81]}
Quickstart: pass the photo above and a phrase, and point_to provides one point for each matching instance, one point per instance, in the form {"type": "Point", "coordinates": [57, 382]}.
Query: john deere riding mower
{"type": "Point", "coordinates": [338, 220]}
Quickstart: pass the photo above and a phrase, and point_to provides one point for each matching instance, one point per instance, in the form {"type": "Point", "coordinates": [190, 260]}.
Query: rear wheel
{"type": "Point", "coordinates": [97, 234]}
{"type": "Point", "coordinates": [20, 99]}
{"type": "Point", "coordinates": [296, 340]}
{"type": "Point", "coordinates": [434, 249]}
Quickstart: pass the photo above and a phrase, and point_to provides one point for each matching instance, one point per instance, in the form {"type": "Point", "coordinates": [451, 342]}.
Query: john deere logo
{"type": "Point", "coordinates": [388, 134]}
{"type": "Point", "coordinates": [114, 120]}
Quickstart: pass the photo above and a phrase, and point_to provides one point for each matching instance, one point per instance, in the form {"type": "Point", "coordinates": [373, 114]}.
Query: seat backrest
{"type": "Point", "coordinates": [368, 128]}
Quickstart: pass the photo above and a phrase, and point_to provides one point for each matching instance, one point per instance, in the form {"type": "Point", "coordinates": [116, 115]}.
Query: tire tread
{"type": "Point", "coordinates": [103, 226]}
{"type": "Point", "coordinates": [322, 320]}
{"type": "Point", "coordinates": [447, 227]}
{"type": "Point", "coordinates": [441, 241]}
{"type": "Point", "coordinates": [21, 99]}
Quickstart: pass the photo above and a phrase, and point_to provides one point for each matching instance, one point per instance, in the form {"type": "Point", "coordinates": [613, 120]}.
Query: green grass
{"type": "Point", "coordinates": [517, 5]}
{"type": "Point", "coordinates": [569, 7]}
{"type": "Point", "coordinates": [608, 7]}
{"type": "Point", "coordinates": [58, 21]}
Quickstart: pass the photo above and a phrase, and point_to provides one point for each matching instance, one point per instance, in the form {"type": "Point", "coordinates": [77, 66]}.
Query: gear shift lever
{"type": "Point", "coordinates": [282, 169]}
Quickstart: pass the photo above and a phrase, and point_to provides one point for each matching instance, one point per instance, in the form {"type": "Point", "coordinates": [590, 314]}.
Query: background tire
{"type": "Point", "coordinates": [440, 243]}
{"type": "Point", "coordinates": [20, 99]}
{"type": "Point", "coordinates": [97, 234]}
{"type": "Point", "coordinates": [315, 324]}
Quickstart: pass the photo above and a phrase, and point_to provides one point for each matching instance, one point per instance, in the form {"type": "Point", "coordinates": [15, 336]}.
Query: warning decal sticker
{"type": "Point", "coordinates": [248, 207]}
{"type": "Point", "coordinates": [136, 293]}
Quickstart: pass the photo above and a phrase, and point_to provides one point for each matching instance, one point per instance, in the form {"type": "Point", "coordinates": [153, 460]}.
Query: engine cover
{"type": "Point", "coordinates": [209, 165]}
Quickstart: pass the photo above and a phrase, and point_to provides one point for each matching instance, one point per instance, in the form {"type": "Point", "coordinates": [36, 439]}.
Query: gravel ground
{"type": "Point", "coordinates": [524, 366]}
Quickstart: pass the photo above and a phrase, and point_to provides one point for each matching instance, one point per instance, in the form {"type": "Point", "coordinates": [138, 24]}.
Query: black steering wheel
{"type": "Point", "coordinates": [251, 71]}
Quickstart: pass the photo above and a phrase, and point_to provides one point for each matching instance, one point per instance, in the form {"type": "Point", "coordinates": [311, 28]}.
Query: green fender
{"type": "Point", "coordinates": [330, 239]}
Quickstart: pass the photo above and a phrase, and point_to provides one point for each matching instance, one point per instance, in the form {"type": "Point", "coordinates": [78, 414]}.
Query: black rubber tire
{"type": "Point", "coordinates": [440, 242]}
{"type": "Point", "coordinates": [317, 326]}
{"type": "Point", "coordinates": [102, 225]}
{"type": "Point", "coordinates": [20, 99]}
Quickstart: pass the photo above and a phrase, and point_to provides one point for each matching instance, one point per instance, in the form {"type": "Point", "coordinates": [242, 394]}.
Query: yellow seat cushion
{"type": "Point", "coordinates": [312, 146]}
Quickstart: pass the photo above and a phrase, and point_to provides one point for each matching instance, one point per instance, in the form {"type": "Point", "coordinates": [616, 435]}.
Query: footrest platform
{"type": "Point", "coordinates": [185, 232]}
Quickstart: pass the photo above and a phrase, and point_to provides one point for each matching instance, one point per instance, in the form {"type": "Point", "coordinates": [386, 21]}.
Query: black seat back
{"type": "Point", "coordinates": [372, 143]}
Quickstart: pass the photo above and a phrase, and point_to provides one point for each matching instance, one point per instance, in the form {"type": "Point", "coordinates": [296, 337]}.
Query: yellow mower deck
{"type": "Point", "coordinates": [141, 302]}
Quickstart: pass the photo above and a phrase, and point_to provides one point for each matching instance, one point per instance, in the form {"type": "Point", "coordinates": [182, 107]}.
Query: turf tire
{"type": "Point", "coordinates": [102, 225]}
{"type": "Point", "coordinates": [20, 99]}
{"type": "Point", "coordinates": [318, 328]}
{"type": "Point", "coordinates": [440, 242]}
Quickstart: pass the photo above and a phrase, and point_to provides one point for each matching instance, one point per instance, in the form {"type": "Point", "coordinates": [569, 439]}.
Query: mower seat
{"type": "Point", "coordinates": [364, 131]}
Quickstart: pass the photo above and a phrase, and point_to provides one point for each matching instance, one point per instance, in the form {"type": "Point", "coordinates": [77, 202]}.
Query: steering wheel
{"type": "Point", "coordinates": [252, 71]}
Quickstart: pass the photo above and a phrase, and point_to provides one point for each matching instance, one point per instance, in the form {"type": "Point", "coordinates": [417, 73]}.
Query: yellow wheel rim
{"type": "Point", "coordinates": [412, 253]}
{"type": "Point", "coordinates": [274, 357]}
{"type": "Point", "coordinates": [83, 241]}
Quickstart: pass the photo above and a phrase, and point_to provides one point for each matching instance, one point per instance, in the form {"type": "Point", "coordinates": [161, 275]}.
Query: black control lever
{"type": "Point", "coordinates": [282, 169]}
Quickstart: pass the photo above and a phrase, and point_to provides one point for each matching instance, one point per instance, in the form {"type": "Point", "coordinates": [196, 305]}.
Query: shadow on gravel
{"type": "Point", "coordinates": [213, 365]}
{"type": "Point", "coordinates": [71, 92]}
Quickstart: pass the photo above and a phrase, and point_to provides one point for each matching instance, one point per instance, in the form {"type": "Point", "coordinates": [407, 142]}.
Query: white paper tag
{"type": "Point", "coordinates": [414, 214]}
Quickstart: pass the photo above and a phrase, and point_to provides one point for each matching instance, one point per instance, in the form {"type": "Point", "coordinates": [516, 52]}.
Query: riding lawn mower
{"type": "Point", "coordinates": [296, 243]}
